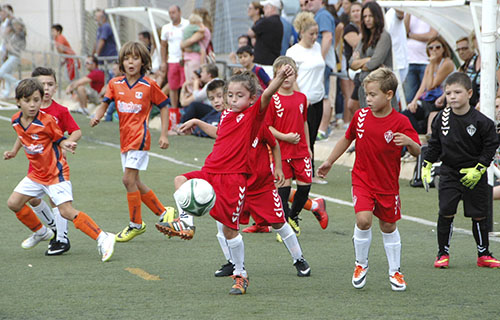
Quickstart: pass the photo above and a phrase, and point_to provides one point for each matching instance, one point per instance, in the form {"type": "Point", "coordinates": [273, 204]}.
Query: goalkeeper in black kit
{"type": "Point", "coordinates": [465, 141]}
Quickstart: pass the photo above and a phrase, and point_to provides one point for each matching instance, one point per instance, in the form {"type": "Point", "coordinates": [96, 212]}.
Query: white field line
{"type": "Point", "coordinates": [330, 199]}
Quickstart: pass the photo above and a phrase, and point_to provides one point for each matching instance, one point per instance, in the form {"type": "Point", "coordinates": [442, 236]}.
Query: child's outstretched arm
{"type": "Point", "coordinates": [12, 153]}
{"type": "Point", "coordinates": [337, 151]}
{"type": "Point", "coordinates": [163, 142]}
{"type": "Point", "coordinates": [283, 73]}
{"type": "Point", "coordinates": [400, 139]}
{"type": "Point", "coordinates": [99, 113]}
{"type": "Point", "coordinates": [207, 128]}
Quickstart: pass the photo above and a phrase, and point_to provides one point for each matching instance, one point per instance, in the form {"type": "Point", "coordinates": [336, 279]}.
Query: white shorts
{"type": "Point", "coordinates": [59, 193]}
{"type": "Point", "coordinates": [135, 159]}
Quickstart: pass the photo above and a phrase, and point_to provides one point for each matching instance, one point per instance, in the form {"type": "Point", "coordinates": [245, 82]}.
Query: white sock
{"type": "Point", "coordinates": [135, 225]}
{"type": "Point", "coordinates": [392, 246]}
{"type": "Point", "coordinates": [41, 231]}
{"type": "Point", "coordinates": [183, 216]}
{"type": "Point", "coordinates": [44, 213]}
{"type": "Point", "coordinates": [237, 250]}
{"type": "Point", "coordinates": [222, 241]}
{"type": "Point", "coordinates": [290, 240]}
{"type": "Point", "coordinates": [362, 240]}
{"type": "Point", "coordinates": [61, 226]}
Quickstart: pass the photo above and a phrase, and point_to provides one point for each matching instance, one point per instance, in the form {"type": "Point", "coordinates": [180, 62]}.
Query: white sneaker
{"type": "Point", "coordinates": [397, 282]}
{"type": "Point", "coordinates": [35, 239]}
{"type": "Point", "coordinates": [359, 276]}
{"type": "Point", "coordinates": [107, 247]}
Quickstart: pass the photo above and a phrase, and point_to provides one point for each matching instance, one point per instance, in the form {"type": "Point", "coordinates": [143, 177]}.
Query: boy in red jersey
{"type": "Point", "coordinates": [227, 168]}
{"type": "Point", "coordinates": [51, 218]}
{"type": "Point", "coordinates": [43, 142]}
{"type": "Point", "coordinates": [380, 133]}
{"type": "Point", "coordinates": [134, 95]}
{"type": "Point", "coordinates": [287, 120]}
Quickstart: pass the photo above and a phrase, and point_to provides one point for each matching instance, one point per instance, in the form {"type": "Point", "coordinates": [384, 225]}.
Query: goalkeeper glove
{"type": "Point", "coordinates": [472, 175]}
{"type": "Point", "coordinates": [426, 174]}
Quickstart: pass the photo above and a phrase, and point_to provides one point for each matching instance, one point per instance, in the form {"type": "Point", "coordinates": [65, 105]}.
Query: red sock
{"type": "Point", "coordinates": [85, 223]}
{"type": "Point", "coordinates": [308, 204]}
{"type": "Point", "coordinates": [152, 202]}
{"type": "Point", "coordinates": [134, 206]}
{"type": "Point", "coordinates": [29, 218]}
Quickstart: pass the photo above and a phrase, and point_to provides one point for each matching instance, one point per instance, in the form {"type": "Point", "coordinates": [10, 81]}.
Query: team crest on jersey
{"type": "Point", "coordinates": [239, 117]}
{"type": "Point", "coordinates": [471, 130]}
{"type": "Point", "coordinates": [34, 136]}
{"type": "Point", "coordinates": [301, 108]}
{"type": "Point", "coordinates": [361, 122]}
{"type": "Point", "coordinates": [255, 142]}
{"type": "Point", "coordinates": [388, 135]}
{"type": "Point", "coordinates": [138, 95]}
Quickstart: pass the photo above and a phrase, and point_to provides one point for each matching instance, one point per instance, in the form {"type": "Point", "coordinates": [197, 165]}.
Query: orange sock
{"type": "Point", "coordinates": [85, 223]}
{"type": "Point", "coordinates": [134, 206]}
{"type": "Point", "coordinates": [308, 204]}
{"type": "Point", "coordinates": [29, 218]}
{"type": "Point", "coordinates": [152, 202]}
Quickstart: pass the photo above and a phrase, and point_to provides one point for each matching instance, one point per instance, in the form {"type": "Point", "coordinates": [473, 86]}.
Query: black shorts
{"type": "Point", "coordinates": [451, 191]}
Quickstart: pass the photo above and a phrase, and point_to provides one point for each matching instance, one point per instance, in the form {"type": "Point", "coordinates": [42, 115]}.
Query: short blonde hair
{"type": "Point", "coordinates": [304, 21]}
{"type": "Point", "coordinates": [195, 18]}
{"type": "Point", "coordinates": [384, 77]}
{"type": "Point", "coordinates": [284, 60]}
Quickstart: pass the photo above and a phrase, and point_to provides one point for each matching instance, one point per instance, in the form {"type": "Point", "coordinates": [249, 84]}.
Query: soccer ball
{"type": "Point", "coordinates": [196, 197]}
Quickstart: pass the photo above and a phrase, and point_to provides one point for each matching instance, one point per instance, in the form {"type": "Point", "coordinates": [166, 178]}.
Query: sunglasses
{"type": "Point", "coordinates": [436, 47]}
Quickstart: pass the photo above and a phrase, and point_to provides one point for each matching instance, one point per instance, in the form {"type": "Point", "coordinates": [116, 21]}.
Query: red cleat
{"type": "Point", "coordinates": [488, 262]}
{"type": "Point", "coordinates": [320, 212]}
{"type": "Point", "coordinates": [257, 228]}
{"type": "Point", "coordinates": [443, 261]}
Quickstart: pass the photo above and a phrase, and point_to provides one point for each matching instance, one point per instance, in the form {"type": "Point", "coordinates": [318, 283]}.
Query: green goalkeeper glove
{"type": "Point", "coordinates": [472, 175]}
{"type": "Point", "coordinates": [426, 174]}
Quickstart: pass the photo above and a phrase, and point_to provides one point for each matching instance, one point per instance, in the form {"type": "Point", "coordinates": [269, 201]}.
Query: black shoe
{"type": "Point", "coordinates": [57, 248]}
{"type": "Point", "coordinates": [303, 269]}
{"type": "Point", "coordinates": [53, 240]}
{"type": "Point", "coordinates": [226, 270]}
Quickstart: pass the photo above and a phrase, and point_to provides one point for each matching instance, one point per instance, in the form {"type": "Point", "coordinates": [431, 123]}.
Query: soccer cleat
{"type": "Point", "coordinates": [488, 262]}
{"type": "Point", "coordinates": [57, 248]}
{"type": "Point", "coordinates": [294, 223]}
{"type": "Point", "coordinates": [226, 270]}
{"type": "Point", "coordinates": [359, 276]}
{"type": "Point", "coordinates": [257, 228]}
{"type": "Point", "coordinates": [240, 285]}
{"type": "Point", "coordinates": [278, 238]}
{"type": "Point", "coordinates": [303, 269]}
{"type": "Point", "coordinates": [35, 239]}
{"type": "Point", "coordinates": [130, 233]}
{"type": "Point", "coordinates": [168, 215]}
{"type": "Point", "coordinates": [177, 228]}
{"type": "Point", "coordinates": [397, 282]}
{"type": "Point", "coordinates": [320, 212]}
{"type": "Point", "coordinates": [106, 247]}
{"type": "Point", "coordinates": [443, 261]}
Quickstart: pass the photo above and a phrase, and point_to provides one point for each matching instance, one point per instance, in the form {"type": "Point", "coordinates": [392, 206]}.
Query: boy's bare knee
{"type": "Point", "coordinates": [35, 202]}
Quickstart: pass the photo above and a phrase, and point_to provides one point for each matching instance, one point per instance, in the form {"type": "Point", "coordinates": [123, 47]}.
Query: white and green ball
{"type": "Point", "coordinates": [196, 197]}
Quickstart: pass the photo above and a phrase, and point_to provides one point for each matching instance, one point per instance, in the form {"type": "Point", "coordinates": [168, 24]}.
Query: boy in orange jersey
{"type": "Point", "coordinates": [43, 142]}
{"type": "Point", "coordinates": [134, 95]}
{"type": "Point", "coordinates": [51, 217]}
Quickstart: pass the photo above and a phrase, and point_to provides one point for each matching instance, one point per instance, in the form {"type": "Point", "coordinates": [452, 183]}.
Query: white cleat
{"type": "Point", "coordinates": [107, 247]}
{"type": "Point", "coordinates": [35, 239]}
{"type": "Point", "coordinates": [359, 276]}
{"type": "Point", "coordinates": [397, 282]}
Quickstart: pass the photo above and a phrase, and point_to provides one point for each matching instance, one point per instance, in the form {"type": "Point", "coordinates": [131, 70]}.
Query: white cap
{"type": "Point", "coordinates": [274, 3]}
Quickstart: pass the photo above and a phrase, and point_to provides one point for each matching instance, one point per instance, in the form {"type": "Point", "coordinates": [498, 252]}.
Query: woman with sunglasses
{"type": "Point", "coordinates": [422, 109]}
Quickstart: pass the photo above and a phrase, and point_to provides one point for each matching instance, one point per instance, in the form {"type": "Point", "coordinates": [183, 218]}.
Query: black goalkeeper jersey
{"type": "Point", "coordinates": [461, 141]}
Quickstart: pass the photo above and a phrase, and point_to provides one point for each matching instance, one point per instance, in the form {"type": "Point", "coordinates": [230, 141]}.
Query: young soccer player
{"type": "Point", "coordinates": [287, 120]}
{"type": "Point", "coordinates": [380, 133]}
{"type": "Point", "coordinates": [465, 141]}
{"type": "Point", "coordinates": [43, 142]}
{"type": "Point", "coordinates": [134, 95]}
{"type": "Point", "coordinates": [227, 167]}
{"type": "Point", "coordinates": [245, 56]}
{"type": "Point", "coordinates": [51, 218]}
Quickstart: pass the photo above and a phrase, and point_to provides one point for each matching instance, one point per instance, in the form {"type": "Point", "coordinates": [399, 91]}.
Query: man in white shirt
{"type": "Point", "coordinates": [171, 54]}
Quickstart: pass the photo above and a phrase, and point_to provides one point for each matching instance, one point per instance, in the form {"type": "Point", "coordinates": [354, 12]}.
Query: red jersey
{"type": "Point", "coordinates": [97, 77]}
{"type": "Point", "coordinates": [133, 104]}
{"type": "Point", "coordinates": [64, 119]}
{"type": "Point", "coordinates": [289, 114]}
{"type": "Point", "coordinates": [262, 178]}
{"type": "Point", "coordinates": [40, 141]}
{"type": "Point", "coordinates": [235, 133]}
{"type": "Point", "coordinates": [378, 159]}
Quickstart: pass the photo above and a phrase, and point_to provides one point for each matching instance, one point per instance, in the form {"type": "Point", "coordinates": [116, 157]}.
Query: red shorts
{"type": "Point", "coordinates": [386, 207]}
{"type": "Point", "coordinates": [175, 76]}
{"type": "Point", "coordinates": [265, 208]}
{"type": "Point", "coordinates": [230, 190]}
{"type": "Point", "coordinates": [300, 169]}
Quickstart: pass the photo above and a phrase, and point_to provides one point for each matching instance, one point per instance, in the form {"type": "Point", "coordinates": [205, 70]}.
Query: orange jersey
{"type": "Point", "coordinates": [134, 104]}
{"type": "Point", "coordinates": [41, 144]}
